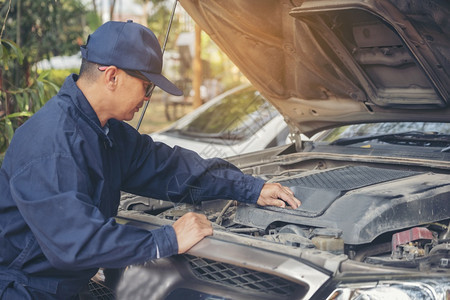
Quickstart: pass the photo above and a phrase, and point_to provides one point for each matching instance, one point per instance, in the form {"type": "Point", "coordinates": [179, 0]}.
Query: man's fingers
{"type": "Point", "coordinates": [291, 200]}
{"type": "Point", "coordinates": [287, 196]}
{"type": "Point", "coordinates": [190, 229]}
{"type": "Point", "coordinates": [275, 202]}
{"type": "Point", "coordinates": [294, 202]}
{"type": "Point", "coordinates": [287, 190]}
{"type": "Point", "coordinates": [277, 195]}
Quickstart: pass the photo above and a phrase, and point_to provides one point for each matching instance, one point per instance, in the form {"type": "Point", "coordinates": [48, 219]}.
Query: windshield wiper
{"type": "Point", "coordinates": [416, 138]}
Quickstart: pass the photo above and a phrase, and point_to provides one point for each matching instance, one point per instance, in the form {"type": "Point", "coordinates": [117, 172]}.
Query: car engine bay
{"type": "Point", "coordinates": [372, 213]}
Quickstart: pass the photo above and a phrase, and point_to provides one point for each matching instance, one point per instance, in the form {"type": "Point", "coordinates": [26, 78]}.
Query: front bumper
{"type": "Point", "coordinates": [231, 266]}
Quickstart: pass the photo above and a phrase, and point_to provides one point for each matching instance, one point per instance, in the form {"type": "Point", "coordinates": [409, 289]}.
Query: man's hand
{"type": "Point", "coordinates": [277, 195]}
{"type": "Point", "coordinates": [190, 229]}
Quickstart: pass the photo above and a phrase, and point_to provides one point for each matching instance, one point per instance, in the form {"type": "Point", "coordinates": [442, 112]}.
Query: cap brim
{"type": "Point", "coordinates": [163, 83]}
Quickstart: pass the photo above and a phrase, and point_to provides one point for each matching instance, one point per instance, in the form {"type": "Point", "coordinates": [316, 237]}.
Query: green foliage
{"type": "Point", "coordinates": [158, 21]}
{"type": "Point", "coordinates": [57, 76]}
{"type": "Point", "coordinates": [93, 20]}
{"type": "Point", "coordinates": [42, 29]}
{"type": "Point", "coordinates": [17, 104]}
{"type": "Point", "coordinates": [9, 50]}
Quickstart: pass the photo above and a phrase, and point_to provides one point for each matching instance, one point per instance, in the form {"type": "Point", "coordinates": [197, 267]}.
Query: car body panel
{"type": "Point", "coordinates": [293, 264]}
{"type": "Point", "coordinates": [273, 132]}
{"type": "Point", "coordinates": [260, 140]}
{"type": "Point", "coordinates": [296, 53]}
{"type": "Point", "coordinates": [305, 273]}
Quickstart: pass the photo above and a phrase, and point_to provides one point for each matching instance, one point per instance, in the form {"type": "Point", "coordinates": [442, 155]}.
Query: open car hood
{"type": "Point", "coordinates": [329, 63]}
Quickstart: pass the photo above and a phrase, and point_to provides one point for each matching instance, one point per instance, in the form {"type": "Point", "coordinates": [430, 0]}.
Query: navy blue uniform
{"type": "Point", "coordinates": [60, 186]}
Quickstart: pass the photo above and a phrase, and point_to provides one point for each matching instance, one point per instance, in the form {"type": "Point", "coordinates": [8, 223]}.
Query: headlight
{"type": "Point", "coordinates": [438, 289]}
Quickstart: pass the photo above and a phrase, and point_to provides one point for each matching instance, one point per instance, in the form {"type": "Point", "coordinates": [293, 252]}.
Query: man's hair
{"type": "Point", "coordinates": [89, 70]}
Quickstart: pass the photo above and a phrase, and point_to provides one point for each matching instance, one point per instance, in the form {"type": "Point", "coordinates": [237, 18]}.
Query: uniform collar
{"type": "Point", "coordinates": [85, 109]}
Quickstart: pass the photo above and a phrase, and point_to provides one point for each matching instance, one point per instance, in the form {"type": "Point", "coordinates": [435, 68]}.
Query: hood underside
{"type": "Point", "coordinates": [329, 63]}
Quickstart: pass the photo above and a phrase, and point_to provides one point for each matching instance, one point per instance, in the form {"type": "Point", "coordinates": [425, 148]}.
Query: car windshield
{"type": "Point", "coordinates": [237, 116]}
{"type": "Point", "coordinates": [391, 132]}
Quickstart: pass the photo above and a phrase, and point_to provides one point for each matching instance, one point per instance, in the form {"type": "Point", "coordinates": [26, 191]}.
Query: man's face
{"type": "Point", "coordinates": [132, 94]}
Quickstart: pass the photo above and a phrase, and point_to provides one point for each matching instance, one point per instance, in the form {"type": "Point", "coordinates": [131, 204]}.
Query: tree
{"type": "Point", "coordinates": [18, 104]}
{"type": "Point", "coordinates": [197, 68]}
{"type": "Point", "coordinates": [158, 19]}
{"type": "Point", "coordinates": [42, 29]}
{"type": "Point", "coordinates": [22, 90]}
{"type": "Point", "coordinates": [112, 5]}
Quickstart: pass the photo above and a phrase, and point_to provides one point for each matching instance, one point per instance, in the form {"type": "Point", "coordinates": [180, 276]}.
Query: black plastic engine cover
{"type": "Point", "coordinates": [363, 202]}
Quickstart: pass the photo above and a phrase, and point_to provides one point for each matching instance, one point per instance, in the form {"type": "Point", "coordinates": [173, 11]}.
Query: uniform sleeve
{"type": "Point", "coordinates": [72, 232]}
{"type": "Point", "coordinates": [180, 175]}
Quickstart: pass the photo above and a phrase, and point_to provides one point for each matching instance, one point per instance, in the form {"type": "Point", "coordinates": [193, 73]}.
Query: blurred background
{"type": "Point", "coordinates": [40, 42]}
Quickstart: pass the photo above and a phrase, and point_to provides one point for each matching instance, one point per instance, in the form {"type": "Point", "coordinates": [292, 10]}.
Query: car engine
{"type": "Point", "coordinates": [378, 215]}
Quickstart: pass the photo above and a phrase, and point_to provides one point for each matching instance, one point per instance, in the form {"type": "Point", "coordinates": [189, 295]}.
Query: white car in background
{"type": "Point", "coordinates": [236, 122]}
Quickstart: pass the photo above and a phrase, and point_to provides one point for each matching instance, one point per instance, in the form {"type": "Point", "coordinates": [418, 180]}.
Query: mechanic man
{"type": "Point", "coordinates": [62, 175]}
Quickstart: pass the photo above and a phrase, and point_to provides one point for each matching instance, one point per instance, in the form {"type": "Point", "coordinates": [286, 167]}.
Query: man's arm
{"type": "Point", "coordinates": [155, 170]}
{"type": "Point", "coordinates": [70, 229]}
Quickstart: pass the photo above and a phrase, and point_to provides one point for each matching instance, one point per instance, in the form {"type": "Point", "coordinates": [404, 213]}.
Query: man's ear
{"type": "Point", "coordinates": [110, 77]}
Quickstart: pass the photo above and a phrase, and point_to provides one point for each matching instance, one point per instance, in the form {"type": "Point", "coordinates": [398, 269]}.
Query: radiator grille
{"type": "Point", "coordinates": [100, 292]}
{"type": "Point", "coordinates": [234, 276]}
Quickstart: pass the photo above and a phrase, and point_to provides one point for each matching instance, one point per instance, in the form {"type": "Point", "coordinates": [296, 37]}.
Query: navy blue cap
{"type": "Point", "coordinates": [130, 46]}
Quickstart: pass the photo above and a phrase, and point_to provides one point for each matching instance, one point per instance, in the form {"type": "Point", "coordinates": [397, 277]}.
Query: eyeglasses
{"type": "Point", "coordinates": [150, 85]}
{"type": "Point", "coordinates": [137, 74]}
